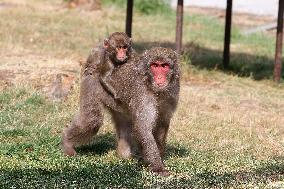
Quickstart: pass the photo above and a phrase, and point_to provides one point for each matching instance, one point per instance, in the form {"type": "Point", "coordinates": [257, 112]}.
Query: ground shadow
{"type": "Point", "coordinates": [272, 170]}
{"type": "Point", "coordinates": [241, 64]}
{"type": "Point", "coordinates": [102, 144]}
{"type": "Point", "coordinates": [121, 174]}
{"type": "Point", "coordinates": [176, 150]}
{"type": "Point", "coordinates": [266, 172]}
{"type": "Point", "coordinates": [91, 175]}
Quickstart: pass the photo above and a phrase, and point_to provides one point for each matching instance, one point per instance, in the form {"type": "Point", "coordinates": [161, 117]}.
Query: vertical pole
{"type": "Point", "coordinates": [179, 20]}
{"type": "Point", "coordinates": [128, 26]}
{"type": "Point", "coordinates": [227, 39]}
{"type": "Point", "coordinates": [279, 38]}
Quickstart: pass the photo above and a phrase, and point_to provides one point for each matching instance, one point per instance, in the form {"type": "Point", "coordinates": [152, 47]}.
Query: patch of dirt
{"type": "Point", "coordinates": [7, 5]}
{"type": "Point", "coordinates": [6, 74]}
{"type": "Point", "coordinates": [60, 87]}
{"type": "Point", "coordinates": [5, 78]}
{"type": "Point", "coordinates": [40, 72]}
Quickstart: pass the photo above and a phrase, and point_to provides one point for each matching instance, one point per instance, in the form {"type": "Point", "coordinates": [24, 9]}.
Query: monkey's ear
{"type": "Point", "coordinates": [130, 41]}
{"type": "Point", "coordinates": [106, 43]}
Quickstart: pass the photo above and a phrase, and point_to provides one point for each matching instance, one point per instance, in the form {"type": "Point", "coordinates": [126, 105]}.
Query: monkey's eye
{"type": "Point", "coordinates": [124, 47]}
{"type": "Point", "coordinates": [154, 65]}
{"type": "Point", "coordinates": [165, 65]}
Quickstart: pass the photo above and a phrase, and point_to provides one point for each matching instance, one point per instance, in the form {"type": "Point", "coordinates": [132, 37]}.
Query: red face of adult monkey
{"type": "Point", "coordinates": [161, 68]}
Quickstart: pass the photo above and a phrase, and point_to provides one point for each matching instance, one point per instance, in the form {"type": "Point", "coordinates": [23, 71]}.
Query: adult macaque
{"type": "Point", "coordinates": [148, 90]}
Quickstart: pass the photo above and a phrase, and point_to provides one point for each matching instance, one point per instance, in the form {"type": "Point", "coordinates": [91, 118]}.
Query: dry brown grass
{"type": "Point", "coordinates": [232, 114]}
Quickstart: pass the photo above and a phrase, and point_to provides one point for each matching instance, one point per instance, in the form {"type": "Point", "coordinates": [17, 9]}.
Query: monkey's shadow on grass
{"type": "Point", "coordinates": [255, 66]}
{"type": "Point", "coordinates": [101, 144]}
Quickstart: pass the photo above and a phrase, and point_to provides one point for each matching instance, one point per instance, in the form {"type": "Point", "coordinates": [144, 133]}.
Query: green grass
{"type": "Point", "coordinates": [147, 7]}
{"type": "Point", "coordinates": [30, 154]}
{"type": "Point", "coordinates": [227, 131]}
{"type": "Point", "coordinates": [31, 157]}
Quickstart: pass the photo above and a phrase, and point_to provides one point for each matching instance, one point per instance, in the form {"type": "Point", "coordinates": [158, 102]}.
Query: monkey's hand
{"type": "Point", "coordinates": [115, 96]}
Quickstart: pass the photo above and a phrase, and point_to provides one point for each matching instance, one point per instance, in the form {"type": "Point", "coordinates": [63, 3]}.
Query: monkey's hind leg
{"type": "Point", "coordinates": [67, 135]}
{"type": "Point", "coordinates": [78, 133]}
{"type": "Point", "coordinates": [87, 122]}
{"type": "Point", "coordinates": [124, 135]}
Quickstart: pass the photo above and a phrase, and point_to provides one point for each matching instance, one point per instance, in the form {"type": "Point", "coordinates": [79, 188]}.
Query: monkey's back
{"type": "Point", "coordinates": [128, 79]}
{"type": "Point", "coordinates": [95, 61]}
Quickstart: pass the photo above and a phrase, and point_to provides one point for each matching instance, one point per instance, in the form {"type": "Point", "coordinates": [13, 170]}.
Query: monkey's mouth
{"type": "Point", "coordinates": [162, 85]}
{"type": "Point", "coordinates": [160, 82]}
{"type": "Point", "coordinates": [160, 79]}
{"type": "Point", "coordinates": [121, 58]}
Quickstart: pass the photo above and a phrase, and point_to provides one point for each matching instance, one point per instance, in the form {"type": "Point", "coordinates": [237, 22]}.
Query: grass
{"type": "Point", "coordinates": [227, 131]}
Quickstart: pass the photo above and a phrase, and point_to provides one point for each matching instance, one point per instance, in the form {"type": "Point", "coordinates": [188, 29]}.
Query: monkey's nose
{"type": "Point", "coordinates": [160, 80]}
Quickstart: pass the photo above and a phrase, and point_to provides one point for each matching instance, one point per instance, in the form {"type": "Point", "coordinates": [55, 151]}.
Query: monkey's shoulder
{"type": "Point", "coordinates": [94, 62]}
{"type": "Point", "coordinates": [96, 55]}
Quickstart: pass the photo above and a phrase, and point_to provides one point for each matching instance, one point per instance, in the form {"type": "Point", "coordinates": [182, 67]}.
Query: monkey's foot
{"type": "Point", "coordinates": [161, 172]}
{"type": "Point", "coordinates": [68, 149]}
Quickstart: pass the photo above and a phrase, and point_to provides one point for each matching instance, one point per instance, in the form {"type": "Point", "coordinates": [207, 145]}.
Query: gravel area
{"type": "Point", "coordinates": [258, 7]}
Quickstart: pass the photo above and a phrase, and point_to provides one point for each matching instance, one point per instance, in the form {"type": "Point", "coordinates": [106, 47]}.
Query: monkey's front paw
{"type": "Point", "coordinates": [69, 152]}
{"type": "Point", "coordinates": [115, 97]}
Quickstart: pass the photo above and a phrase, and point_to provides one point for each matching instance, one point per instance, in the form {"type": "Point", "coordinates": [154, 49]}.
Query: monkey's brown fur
{"type": "Point", "coordinates": [142, 114]}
